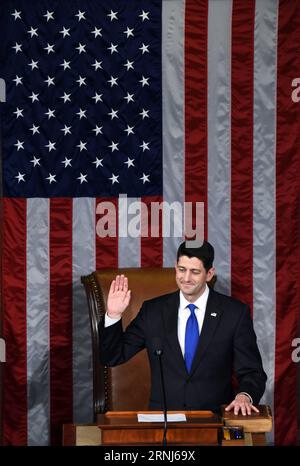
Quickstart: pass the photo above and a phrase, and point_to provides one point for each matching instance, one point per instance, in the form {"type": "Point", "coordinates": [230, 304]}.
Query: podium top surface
{"type": "Point", "coordinates": [130, 418]}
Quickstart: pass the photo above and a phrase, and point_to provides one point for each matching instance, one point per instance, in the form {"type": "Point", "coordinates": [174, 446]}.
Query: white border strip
{"type": "Point", "coordinates": [264, 195]}
{"type": "Point", "coordinates": [84, 262]}
{"type": "Point", "coordinates": [173, 15]}
{"type": "Point", "coordinates": [37, 301]}
{"type": "Point", "coordinates": [219, 138]}
{"type": "Point", "coordinates": [129, 238]}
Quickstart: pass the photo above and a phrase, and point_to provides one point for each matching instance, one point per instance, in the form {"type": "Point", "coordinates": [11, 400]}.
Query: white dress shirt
{"type": "Point", "coordinates": [184, 313]}
{"type": "Point", "coordinates": [108, 321]}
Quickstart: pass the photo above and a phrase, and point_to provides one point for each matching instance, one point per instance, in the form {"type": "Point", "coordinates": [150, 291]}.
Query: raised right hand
{"type": "Point", "coordinates": [118, 297]}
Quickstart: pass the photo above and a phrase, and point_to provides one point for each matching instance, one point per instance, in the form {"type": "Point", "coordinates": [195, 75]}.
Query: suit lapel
{"type": "Point", "coordinates": [170, 316]}
{"type": "Point", "coordinates": [211, 321]}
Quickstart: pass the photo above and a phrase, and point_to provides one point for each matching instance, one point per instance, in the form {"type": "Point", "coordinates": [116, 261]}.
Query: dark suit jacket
{"type": "Point", "coordinates": [227, 341]}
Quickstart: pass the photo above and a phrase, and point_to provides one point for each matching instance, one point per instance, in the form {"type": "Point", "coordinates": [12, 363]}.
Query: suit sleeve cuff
{"type": "Point", "coordinates": [247, 394]}
{"type": "Point", "coordinates": [108, 321]}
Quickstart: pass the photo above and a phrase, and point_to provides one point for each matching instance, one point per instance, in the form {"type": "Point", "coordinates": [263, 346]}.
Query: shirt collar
{"type": "Point", "coordinates": [200, 302]}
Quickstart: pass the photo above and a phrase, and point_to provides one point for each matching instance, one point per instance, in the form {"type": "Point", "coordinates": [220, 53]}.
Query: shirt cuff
{"type": "Point", "coordinates": [247, 394]}
{"type": "Point", "coordinates": [108, 321]}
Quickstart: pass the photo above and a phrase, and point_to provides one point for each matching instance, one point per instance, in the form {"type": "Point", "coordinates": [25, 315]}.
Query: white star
{"type": "Point", "coordinates": [18, 80]}
{"type": "Point", "coordinates": [17, 14]}
{"type": "Point", "coordinates": [82, 178]}
{"type": "Point", "coordinates": [144, 113]}
{"type": "Point", "coordinates": [98, 162]}
{"type": "Point", "coordinates": [50, 113]}
{"type": "Point", "coordinates": [144, 81]}
{"type": "Point", "coordinates": [67, 162]}
{"type": "Point", "coordinates": [81, 81]}
{"type": "Point", "coordinates": [49, 15]}
{"type": "Point", "coordinates": [17, 47]}
{"type": "Point", "coordinates": [145, 178]}
{"type": "Point", "coordinates": [65, 32]}
{"type": "Point", "coordinates": [144, 15]}
{"type": "Point", "coordinates": [51, 146]}
{"type": "Point", "coordinates": [19, 145]}
{"type": "Point", "coordinates": [98, 130]}
{"type": "Point", "coordinates": [114, 179]}
{"type": "Point", "coordinates": [112, 48]}
{"type": "Point", "coordinates": [129, 65]}
{"type": "Point", "coordinates": [114, 146]}
{"type": "Point", "coordinates": [66, 97]}
{"type": "Point", "coordinates": [33, 97]}
{"type": "Point", "coordinates": [144, 48]}
{"type": "Point", "coordinates": [35, 161]}
{"type": "Point", "coordinates": [33, 65]}
{"type": "Point", "coordinates": [66, 64]}
{"type": "Point", "coordinates": [81, 48]}
{"type": "Point", "coordinates": [49, 48]}
{"type": "Point", "coordinates": [82, 146]}
{"type": "Point", "coordinates": [113, 114]}
{"type": "Point", "coordinates": [80, 15]}
{"type": "Point", "coordinates": [129, 32]}
{"type": "Point", "coordinates": [51, 178]}
{"type": "Point", "coordinates": [97, 97]}
{"type": "Point", "coordinates": [34, 129]}
{"type": "Point", "coordinates": [145, 146]}
{"type": "Point", "coordinates": [129, 162]}
{"type": "Point", "coordinates": [33, 32]}
{"type": "Point", "coordinates": [129, 97]}
{"type": "Point", "coordinates": [66, 130]}
{"type": "Point", "coordinates": [19, 112]}
{"type": "Point", "coordinates": [49, 81]}
{"type": "Point", "coordinates": [81, 114]}
{"type": "Point", "coordinates": [97, 64]}
{"type": "Point", "coordinates": [113, 15]}
{"type": "Point", "coordinates": [113, 81]}
{"type": "Point", "coordinates": [97, 32]}
{"type": "Point", "coordinates": [20, 177]}
{"type": "Point", "coordinates": [129, 130]}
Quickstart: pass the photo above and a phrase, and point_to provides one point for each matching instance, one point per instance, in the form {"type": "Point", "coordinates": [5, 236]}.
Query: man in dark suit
{"type": "Point", "coordinates": [206, 336]}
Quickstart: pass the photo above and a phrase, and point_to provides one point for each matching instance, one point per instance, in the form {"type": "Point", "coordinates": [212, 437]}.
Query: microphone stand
{"type": "Point", "coordinates": [158, 353]}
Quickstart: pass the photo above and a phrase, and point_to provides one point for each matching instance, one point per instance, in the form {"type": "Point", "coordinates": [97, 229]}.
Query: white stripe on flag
{"type": "Point", "coordinates": [173, 113]}
{"type": "Point", "coordinates": [129, 239]}
{"type": "Point", "coordinates": [37, 297]}
{"type": "Point", "coordinates": [219, 138]}
{"type": "Point", "coordinates": [264, 202]}
{"type": "Point", "coordinates": [84, 262]}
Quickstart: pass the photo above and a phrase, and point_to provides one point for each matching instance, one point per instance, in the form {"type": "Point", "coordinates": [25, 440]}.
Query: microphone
{"type": "Point", "coordinates": [158, 351]}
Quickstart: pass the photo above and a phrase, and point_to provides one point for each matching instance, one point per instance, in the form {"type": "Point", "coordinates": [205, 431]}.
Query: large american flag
{"type": "Point", "coordinates": [169, 101]}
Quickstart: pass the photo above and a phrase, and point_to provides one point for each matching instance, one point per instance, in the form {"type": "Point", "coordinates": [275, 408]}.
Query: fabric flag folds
{"type": "Point", "coordinates": [122, 105]}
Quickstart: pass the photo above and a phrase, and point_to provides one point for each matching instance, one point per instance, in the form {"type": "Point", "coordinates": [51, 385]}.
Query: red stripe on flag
{"type": "Point", "coordinates": [107, 247]}
{"type": "Point", "coordinates": [14, 322]}
{"type": "Point", "coordinates": [287, 223]}
{"type": "Point", "coordinates": [196, 23]}
{"type": "Point", "coordinates": [60, 246]}
{"type": "Point", "coordinates": [243, 16]}
{"type": "Point", "coordinates": [151, 246]}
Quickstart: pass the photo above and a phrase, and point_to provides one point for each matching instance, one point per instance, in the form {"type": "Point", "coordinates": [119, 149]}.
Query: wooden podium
{"type": "Point", "coordinates": [123, 428]}
{"type": "Point", "coordinates": [119, 428]}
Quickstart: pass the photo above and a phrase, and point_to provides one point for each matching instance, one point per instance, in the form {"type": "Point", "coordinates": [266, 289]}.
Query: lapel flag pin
{"type": "Point", "coordinates": [213, 314]}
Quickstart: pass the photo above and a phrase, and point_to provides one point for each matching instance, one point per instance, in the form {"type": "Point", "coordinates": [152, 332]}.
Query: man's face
{"type": "Point", "coordinates": [191, 277]}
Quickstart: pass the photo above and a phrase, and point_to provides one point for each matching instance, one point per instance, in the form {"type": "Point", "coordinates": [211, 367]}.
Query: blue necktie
{"type": "Point", "coordinates": [191, 337]}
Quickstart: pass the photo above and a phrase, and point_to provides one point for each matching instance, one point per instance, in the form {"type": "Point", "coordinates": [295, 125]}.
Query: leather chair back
{"type": "Point", "coordinates": [125, 387]}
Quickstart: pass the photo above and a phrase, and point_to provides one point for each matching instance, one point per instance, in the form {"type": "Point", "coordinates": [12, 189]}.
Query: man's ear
{"type": "Point", "coordinates": [210, 274]}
